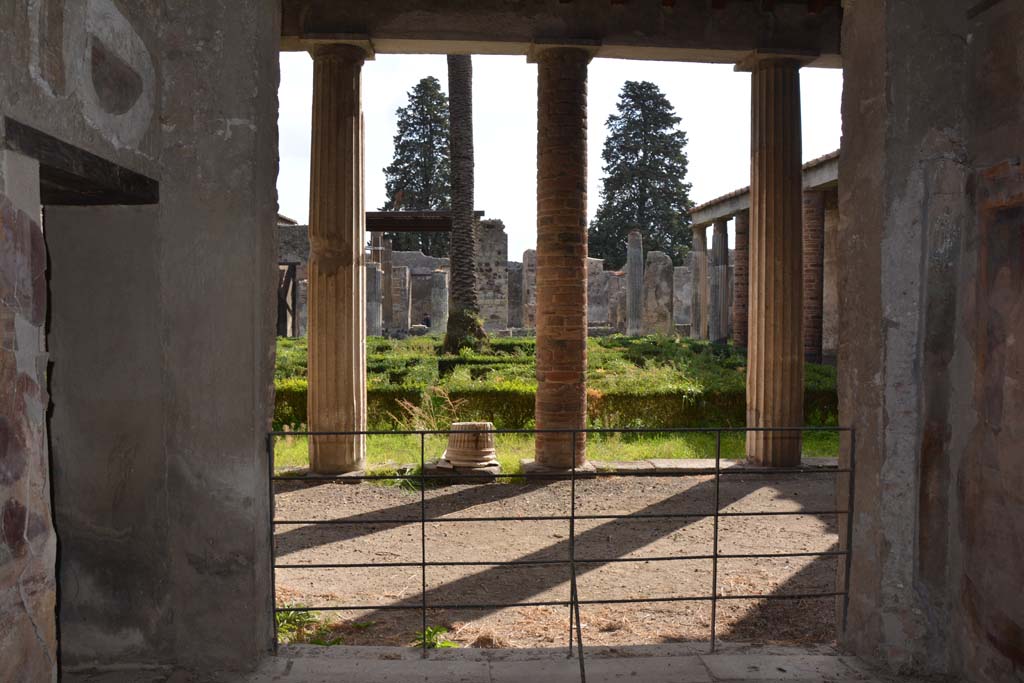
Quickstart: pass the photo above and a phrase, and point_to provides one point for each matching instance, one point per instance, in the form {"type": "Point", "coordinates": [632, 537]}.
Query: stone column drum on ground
{"type": "Point", "coordinates": [718, 319]}
{"type": "Point", "coordinates": [635, 284]}
{"type": "Point", "coordinates": [775, 360]}
{"type": "Point", "coordinates": [374, 299]}
{"type": "Point", "coordinates": [741, 280]}
{"type": "Point", "coordinates": [658, 294]}
{"type": "Point", "coordinates": [561, 255]}
{"type": "Point", "coordinates": [699, 268]}
{"type": "Point", "coordinates": [439, 302]}
{"type": "Point", "coordinates": [337, 279]}
{"type": "Point", "coordinates": [814, 276]}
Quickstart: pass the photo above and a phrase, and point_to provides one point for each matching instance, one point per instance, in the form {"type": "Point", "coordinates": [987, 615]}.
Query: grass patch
{"type": "Point", "coordinates": [395, 450]}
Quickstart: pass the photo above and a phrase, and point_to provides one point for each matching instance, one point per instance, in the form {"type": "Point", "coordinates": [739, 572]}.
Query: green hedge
{"type": "Point", "coordinates": [512, 406]}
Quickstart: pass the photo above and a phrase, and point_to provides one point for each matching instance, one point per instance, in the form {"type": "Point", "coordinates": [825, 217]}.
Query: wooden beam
{"type": "Point", "coordinates": [70, 176]}
{"type": "Point", "coordinates": [410, 221]}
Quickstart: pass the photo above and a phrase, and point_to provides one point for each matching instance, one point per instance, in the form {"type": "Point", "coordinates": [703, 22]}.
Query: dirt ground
{"type": "Point", "coordinates": [627, 542]}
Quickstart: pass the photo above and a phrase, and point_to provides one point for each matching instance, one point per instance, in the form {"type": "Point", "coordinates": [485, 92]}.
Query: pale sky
{"type": "Point", "coordinates": [712, 100]}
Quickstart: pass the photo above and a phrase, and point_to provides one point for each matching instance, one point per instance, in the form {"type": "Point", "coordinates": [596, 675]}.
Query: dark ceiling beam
{"type": "Point", "coordinates": [411, 221]}
{"type": "Point", "coordinates": [70, 176]}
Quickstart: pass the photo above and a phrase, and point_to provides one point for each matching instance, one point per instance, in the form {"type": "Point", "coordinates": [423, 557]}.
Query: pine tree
{"type": "Point", "coordinates": [419, 177]}
{"type": "Point", "coordinates": [644, 185]}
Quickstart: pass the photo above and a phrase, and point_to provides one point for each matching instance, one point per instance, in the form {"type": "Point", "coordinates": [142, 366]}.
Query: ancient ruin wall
{"type": "Point", "coordinates": [492, 274]}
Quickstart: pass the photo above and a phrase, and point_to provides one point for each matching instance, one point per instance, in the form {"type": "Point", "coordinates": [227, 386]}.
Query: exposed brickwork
{"type": "Point", "coordinates": [741, 279]}
{"type": "Point", "coordinates": [699, 309]}
{"type": "Point", "coordinates": [814, 277]}
{"type": "Point", "coordinates": [561, 254]}
{"type": "Point", "coordinates": [492, 274]}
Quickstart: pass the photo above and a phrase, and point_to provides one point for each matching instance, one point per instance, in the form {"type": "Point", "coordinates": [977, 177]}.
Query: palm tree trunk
{"type": "Point", "coordinates": [464, 325]}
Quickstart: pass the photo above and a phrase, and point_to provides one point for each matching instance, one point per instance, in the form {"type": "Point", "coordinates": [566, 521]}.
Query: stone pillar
{"type": "Point", "coordinates": [401, 299]}
{"type": "Point", "coordinates": [635, 284]}
{"type": "Point", "coordinates": [699, 268]}
{"type": "Point", "coordinates": [830, 290]}
{"type": "Point", "coordinates": [814, 276]}
{"type": "Point", "coordinates": [492, 274]}
{"type": "Point", "coordinates": [388, 303]}
{"type": "Point", "coordinates": [741, 280]}
{"type": "Point", "coordinates": [337, 279]}
{"type": "Point", "coordinates": [439, 302]}
{"type": "Point", "coordinates": [530, 289]}
{"type": "Point", "coordinates": [775, 359]}
{"type": "Point", "coordinates": [561, 254]}
{"type": "Point", "coordinates": [374, 299]}
{"type": "Point", "coordinates": [718, 318]}
{"type": "Point", "coordinates": [658, 294]}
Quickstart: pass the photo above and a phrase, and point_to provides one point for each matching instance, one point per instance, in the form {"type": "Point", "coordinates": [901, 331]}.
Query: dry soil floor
{"type": "Point", "coordinates": [611, 559]}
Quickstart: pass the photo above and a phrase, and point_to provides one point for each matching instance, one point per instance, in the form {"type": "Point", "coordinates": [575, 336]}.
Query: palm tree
{"type": "Point", "coordinates": [464, 325]}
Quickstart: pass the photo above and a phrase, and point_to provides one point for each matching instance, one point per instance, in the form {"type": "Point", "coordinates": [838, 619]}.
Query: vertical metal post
{"type": "Point", "coordinates": [714, 549]}
{"type": "Point", "coordinates": [574, 598]}
{"type": "Point", "coordinates": [270, 534]}
{"type": "Point", "coordinates": [423, 542]}
{"type": "Point", "coordinates": [849, 524]}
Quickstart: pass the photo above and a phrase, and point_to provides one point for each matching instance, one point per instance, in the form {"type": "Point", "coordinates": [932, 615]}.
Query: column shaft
{"type": "Point", "coordinates": [374, 297]}
{"type": "Point", "coordinates": [775, 348]}
{"type": "Point", "coordinates": [699, 266]}
{"type": "Point", "coordinates": [634, 284]}
{"type": "Point", "coordinates": [337, 279]}
{"type": "Point", "coordinates": [718, 320]}
{"type": "Point", "coordinates": [814, 272]}
{"type": "Point", "coordinates": [741, 280]}
{"type": "Point", "coordinates": [561, 254]}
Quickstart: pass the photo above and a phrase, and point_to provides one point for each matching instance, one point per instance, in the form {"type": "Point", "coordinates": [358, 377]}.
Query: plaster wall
{"type": "Point", "coordinates": [930, 277]}
{"type": "Point", "coordinates": [177, 437]}
{"type": "Point", "coordinates": [28, 637]}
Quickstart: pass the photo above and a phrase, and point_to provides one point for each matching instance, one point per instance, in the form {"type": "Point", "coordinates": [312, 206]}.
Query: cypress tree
{"type": "Point", "coordinates": [644, 186]}
{"type": "Point", "coordinates": [419, 176]}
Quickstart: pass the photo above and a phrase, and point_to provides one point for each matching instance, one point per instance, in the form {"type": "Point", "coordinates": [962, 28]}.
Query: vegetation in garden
{"type": "Point", "coordinates": [647, 382]}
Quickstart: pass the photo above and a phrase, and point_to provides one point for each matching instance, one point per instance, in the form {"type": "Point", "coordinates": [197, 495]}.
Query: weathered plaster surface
{"type": "Point", "coordinates": [28, 638]}
{"type": "Point", "coordinates": [930, 368]}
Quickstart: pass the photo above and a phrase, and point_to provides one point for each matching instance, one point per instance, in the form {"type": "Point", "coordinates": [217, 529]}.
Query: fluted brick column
{"type": "Point", "coordinates": [741, 280]}
{"type": "Point", "coordinates": [775, 348]}
{"type": "Point", "coordinates": [718, 319]}
{"type": "Point", "coordinates": [814, 272]}
{"type": "Point", "coordinates": [337, 279]}
{"type": "Point", "coordinates": [561, 254]}
{"type": "Point", "coordinates": [634, 284]}
{"type": "Point", "coordinates": [699, 308]}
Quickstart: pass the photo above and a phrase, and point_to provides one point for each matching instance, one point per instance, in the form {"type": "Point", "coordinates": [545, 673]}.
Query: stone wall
{"type": "Point", "coordinates": [682, 294]}
{"type": "Point", "coordinates": [492, 274]}
{"type": "Point", "coordinates": [658, 293]}
{"type": "Point", "coordinates": [530, 289]}
{"type": "Point", "coordinates": [421, 297]}
{"type": "Point", "coordinates": [515, 295]}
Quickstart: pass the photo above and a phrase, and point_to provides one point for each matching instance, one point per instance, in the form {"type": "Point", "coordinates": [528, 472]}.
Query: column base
{"type": "Point", "coordinates": [774, 449]}
{"type": "Point", "coordinates": [337, 454]}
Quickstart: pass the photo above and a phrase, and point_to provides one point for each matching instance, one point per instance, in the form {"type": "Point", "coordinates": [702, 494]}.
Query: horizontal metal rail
{"type": "Point", "coordinates": [572, 561]}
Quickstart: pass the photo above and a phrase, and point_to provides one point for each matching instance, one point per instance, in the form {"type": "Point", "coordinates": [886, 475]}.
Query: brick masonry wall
{"type": "Point", "coordinates": [492, 274]}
